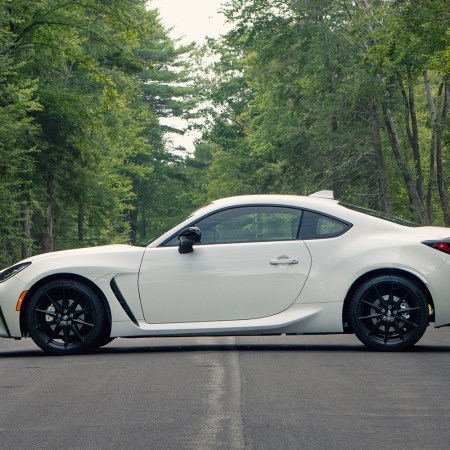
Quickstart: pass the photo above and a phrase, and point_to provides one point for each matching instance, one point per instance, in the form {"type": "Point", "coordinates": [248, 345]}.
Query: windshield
{"type": "Point", "coordinates": [159, 231]}
{"type": "Point", "coordinates": [379, 215]}
{"type": "Point", "coordinates": [164, 228]}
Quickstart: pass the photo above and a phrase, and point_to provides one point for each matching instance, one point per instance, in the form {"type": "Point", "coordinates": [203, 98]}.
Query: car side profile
{"type": "Point", "coordinates": [248, 265]}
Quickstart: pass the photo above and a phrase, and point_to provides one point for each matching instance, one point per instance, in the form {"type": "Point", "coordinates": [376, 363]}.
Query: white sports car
{"type": "Point", "coordinates": [251, 265]}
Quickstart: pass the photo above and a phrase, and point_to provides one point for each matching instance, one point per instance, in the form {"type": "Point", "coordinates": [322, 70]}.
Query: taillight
{"type": "Point", "coordinates": [442, 245]}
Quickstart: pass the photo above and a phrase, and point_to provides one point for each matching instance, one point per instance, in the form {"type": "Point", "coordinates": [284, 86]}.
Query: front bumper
{"type": "Point", "coordinates": [10, 292]}
{"type": "Point", "coordinates": [4, 330]}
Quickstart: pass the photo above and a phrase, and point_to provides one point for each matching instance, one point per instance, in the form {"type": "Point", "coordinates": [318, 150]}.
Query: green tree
{"type": "Point", "coordinates": [83, 84]}
{"type": "Point", "coordinates": [18, 136]}
{"type": "Point", "coordinates": [335, 97]}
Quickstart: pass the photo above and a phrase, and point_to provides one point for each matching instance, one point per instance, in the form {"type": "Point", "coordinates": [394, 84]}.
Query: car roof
{"type": "Point", "coordinates": [319, 204]}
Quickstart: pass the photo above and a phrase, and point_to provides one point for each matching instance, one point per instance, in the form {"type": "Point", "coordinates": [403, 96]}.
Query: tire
{"type": "Point", "coordinates": [66, 317]}
{"type": "Point", "coordinates": [389, 313]}
{"type": "Point", "coordinates": [103, 342]}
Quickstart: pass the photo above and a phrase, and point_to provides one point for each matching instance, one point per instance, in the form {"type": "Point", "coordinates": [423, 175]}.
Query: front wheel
{"type": "Point", "coordinates": [66, 316]}
{"type": "Point", "coordinates": [389, 313]}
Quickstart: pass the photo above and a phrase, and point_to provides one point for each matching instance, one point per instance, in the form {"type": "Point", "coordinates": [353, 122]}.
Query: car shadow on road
{"type": "Point", "coordinates": [199, 348]}
{"type": "Point", "coordinates": [262, 348]}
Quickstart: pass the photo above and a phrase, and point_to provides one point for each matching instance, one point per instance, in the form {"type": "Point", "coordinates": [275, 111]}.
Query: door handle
{"type": "Point", "coordinates": [276, 262]}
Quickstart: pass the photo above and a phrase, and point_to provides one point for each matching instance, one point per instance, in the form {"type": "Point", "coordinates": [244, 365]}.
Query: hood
{"type": "Point", "coordinates": [92, 262]}
{"type": "Point", "coordinates": [102, 249]}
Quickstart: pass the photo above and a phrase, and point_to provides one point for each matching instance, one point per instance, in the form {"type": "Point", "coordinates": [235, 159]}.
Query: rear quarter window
{"type": "Point", "coordinates": [318, 226]}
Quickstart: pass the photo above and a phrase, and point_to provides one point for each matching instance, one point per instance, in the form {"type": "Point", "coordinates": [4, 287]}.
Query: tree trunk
{"type": "Point", "coordinates": [80, 225]}
{"type": "Point", "coordinates": [440, 172]}
{"type": "Point", "coordinates": [410, 184]}
{"type": "Point", "coordinates": [431, 178]}
{"type": "Point", "coordinates": [433, 145]}
{"type": "Point", "coordinates": [47, 244]}
{"type": "Point", "coordinates": [415, 141]}
{"type": "Point", "coordinates": [380, 169]}
{"type": "Point", "coordinates": [26, 222]}
{"type": "Point", "coordinates": [412, 131]}
{"type": "Point", "coordinates": [134, 215]}
{"type": "Point", "coordinates": [337, 157]}
{"type": "Point", "coordinates": [436, 147]}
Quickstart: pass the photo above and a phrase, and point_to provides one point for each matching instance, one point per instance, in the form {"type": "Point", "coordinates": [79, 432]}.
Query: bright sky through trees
{"type": "Point", "coordinates": [191, 19]}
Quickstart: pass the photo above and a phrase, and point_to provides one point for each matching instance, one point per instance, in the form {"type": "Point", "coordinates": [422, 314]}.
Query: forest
{"type": "Point", "coordinates": [298, 96]}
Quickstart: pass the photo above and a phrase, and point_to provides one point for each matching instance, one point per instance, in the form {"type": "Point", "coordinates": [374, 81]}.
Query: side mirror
{"type": "Point", "coordinates": [189, 237]}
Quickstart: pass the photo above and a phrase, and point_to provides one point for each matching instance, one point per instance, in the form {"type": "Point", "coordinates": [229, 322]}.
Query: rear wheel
{"type": "Point", "coordinates": [66, 316]}
{"type": "Point", "coordinates": [389, 313]}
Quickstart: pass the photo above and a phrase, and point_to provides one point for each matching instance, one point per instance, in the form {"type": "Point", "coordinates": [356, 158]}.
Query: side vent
{"type": "Point", "coordinates": [122, 301]}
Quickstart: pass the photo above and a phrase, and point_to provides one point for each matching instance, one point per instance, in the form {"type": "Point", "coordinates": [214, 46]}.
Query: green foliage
{"type": "Point", "coordinates": [300, 95]}
{"type": "Point", "coordinates": [18, 135]}
{"type": "Point", "coordinates": [306, 95]}
{"type": "Point", "coordinates": [82, 85]}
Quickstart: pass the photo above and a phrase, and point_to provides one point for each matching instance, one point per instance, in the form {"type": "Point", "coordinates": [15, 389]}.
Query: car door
{"type": "Point", "coordinates": [250, 264]}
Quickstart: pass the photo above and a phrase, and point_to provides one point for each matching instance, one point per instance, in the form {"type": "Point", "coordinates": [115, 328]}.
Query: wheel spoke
{"type": "Point", "coordinates": [371, 316]}
{"type": "Point", "coordinates": [82, 322]}
{"type": "Point", "coordinates": [54, 333]}
{"type": "Point", "coordinates": [402, 319]}
{"type": "Point", "coordinates": [401, 300]}
{"type": "Point", "coordinates": [64, 298]}
{"type": "Point", "coordinates": [404, 310]}
{"type": "Point", "coordinates": [399, 331]}
{"type": "Point", "coordinates": [371, 304]}
{"type": "Point", "coordinates": [380, 297]}
{"type": "Point", "coordinates": [375, 327]}
{"type": "Point", "coordinates": [386, 332]}
{"type": "Point", "coordinates": [47, 324]}
{"type": "Point", "coordinates": [77, 333]}
{"type": "Point", "coordinates": [74, 304]}
{"type": "Point", "coordinates": [46, 312]}
{"type": "Point", "coordinates": [391, 295]}
{"type": "Point", "coordinates": [56, 305]}
{"type": "Point", "coordinates": [81, 311]}
{"type": "Point", "coordinates": [66, 336]}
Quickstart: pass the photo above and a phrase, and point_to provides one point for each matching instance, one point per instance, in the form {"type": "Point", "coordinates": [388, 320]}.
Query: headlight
{"type": "Point", "coordinates": [13, 270]}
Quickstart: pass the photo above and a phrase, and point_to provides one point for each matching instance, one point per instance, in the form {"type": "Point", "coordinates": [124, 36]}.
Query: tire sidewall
{"type": "Point", "coordinates": [96, 334]}
{"type": "Point", "coordinates": [413, 337]}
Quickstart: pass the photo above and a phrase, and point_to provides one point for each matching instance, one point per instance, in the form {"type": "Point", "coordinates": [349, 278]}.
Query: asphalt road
{"type": "Point", "coordinates": [303, 392]}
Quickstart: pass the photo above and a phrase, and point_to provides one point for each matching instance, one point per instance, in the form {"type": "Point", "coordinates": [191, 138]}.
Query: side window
{"type": "Point", "coordinates": [250, 224]}
{"type": "Point", "coordinates": [317, 226]}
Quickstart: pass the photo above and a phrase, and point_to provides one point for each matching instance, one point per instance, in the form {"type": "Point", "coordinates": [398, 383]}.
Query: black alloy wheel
{"type": "Point", "coordinates": [389, 313]}
{"type": "Point", "coordinates": [66, 316]}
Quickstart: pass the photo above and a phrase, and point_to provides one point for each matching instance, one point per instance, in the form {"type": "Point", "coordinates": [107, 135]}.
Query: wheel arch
{"type": "Point", "coordinates": [66, 276]}
{"type": "Point", "coordinates": [363, 278]}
